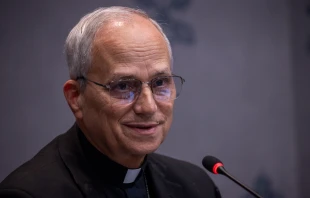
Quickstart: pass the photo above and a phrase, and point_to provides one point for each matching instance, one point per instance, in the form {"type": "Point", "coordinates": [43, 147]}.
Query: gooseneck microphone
{"type": "Point", "coordinates": [215, 166]}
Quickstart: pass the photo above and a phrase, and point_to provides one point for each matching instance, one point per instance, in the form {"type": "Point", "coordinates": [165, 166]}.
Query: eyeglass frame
{"type": "Point", "coordinates": [108, 87]}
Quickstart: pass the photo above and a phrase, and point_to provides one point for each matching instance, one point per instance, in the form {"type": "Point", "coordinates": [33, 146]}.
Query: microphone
{"type": "Point", "coordinates": [215, 166]}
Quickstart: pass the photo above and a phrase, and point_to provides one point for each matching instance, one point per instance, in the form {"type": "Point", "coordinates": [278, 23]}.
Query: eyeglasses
{"type": "Point", "coordinates": [125, 91]}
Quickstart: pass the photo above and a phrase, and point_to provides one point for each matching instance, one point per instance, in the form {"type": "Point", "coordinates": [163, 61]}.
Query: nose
{"type": "Point", "coordinates": [145, 103]}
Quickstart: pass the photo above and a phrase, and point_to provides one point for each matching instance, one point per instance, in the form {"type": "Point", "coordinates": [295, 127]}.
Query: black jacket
{"type": "Point", "coordinates": [61, 170]}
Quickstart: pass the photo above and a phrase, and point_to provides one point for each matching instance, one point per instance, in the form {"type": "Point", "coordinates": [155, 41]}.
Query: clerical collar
{"type": "Point", "coordinates": [106, 169]}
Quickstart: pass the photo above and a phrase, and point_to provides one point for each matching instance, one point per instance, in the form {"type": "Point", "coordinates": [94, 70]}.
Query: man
{"type": "Point", "coordinates": [121, 92]}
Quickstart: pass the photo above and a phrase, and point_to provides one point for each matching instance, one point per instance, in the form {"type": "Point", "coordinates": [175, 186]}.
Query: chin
{"type": "Point", "coordinates": [144, 148]}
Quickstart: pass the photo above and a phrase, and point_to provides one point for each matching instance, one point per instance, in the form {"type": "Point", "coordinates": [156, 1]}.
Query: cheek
{"type": "Point", "coordinates": [111, 115]}
{"type": "Point", "coordinates": [167, 112]}
{"type": "Point", "coordinates": [98, 108]}
{"type": "Point", "coordinates": [166, 108]}
{"type": "Point", "coordinates": [94, 106]}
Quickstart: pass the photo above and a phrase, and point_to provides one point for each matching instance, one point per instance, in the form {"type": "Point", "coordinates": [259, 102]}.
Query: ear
{"type": "Point", "coordinates": [72, 94]}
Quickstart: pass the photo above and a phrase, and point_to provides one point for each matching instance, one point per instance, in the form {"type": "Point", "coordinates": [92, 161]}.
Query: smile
{"type": "Point", "coordinates": [143, 128]}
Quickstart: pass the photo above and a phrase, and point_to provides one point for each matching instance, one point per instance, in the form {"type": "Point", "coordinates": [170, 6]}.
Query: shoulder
{"type": "Point", "coordinates": [176, 165]}
{"type": "Point", "coordinates": [180, 170]}
{"type": "Point", "coordinates": [187, 174]}
{"type": "Point", "coordinates": [14, 193]}
{"type": "Point", "coordinates": [35, 177]}
{"type": "Point", "coordinates": [43, 160]}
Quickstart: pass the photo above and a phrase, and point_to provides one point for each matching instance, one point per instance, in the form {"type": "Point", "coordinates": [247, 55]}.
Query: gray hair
{"type": "Point", "coordinates": [79, 41]}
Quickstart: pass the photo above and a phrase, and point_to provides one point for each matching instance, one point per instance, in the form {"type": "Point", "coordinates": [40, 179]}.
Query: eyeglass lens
{"type": "Point", "coordinates": [164, 89]}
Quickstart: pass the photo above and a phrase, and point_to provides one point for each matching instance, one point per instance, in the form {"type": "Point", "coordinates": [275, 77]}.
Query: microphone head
{"type": "Point", "coordinates": [212, 164]}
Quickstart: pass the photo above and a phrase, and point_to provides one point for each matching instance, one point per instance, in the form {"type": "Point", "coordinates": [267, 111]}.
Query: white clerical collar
{"type": "Point", "coordinates": [131, 175]}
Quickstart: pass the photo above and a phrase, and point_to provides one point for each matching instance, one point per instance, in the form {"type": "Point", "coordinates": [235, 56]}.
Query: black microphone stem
{"type": "Point", "coordinates": [222, 170]}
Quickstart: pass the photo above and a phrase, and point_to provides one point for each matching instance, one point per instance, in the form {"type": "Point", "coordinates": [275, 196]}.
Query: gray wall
{"type": "Point", "coordinates": [301, 73]}
{"type": "Point", "coordinates": [245, 99]}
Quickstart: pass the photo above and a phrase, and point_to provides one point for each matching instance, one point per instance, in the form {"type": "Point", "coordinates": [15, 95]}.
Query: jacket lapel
{"type": "Point", "coordinates": [71, 153]}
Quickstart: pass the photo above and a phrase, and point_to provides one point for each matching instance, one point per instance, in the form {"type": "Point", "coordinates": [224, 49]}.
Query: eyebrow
{"type": "Point", "coordinates": [161, 73]}
{"type": "Point", "coordinates": [118, 76]}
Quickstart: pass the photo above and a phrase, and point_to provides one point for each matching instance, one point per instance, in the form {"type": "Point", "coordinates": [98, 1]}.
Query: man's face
{"type": "Point", "coordinates": [135, 49]}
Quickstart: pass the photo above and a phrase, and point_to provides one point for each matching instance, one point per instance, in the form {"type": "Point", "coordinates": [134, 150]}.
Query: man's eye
{"type": "Point", "coordinates": [126, 85]}
{"type": "Point", "coordinates": [122, 86]}
{"type": "Point", "coordinates": [161, 82]}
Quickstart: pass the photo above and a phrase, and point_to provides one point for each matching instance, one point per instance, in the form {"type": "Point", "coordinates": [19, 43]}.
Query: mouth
{"type": "Point", "coordinates": [143, 128]}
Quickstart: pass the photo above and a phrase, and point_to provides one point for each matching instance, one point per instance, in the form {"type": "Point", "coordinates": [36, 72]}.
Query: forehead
{"type": "Point", "coordinates": [134, 45]}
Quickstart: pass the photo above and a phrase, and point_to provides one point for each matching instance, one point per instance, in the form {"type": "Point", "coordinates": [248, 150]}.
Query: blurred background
{"type": "Point", "coordinates": [245, 100]}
